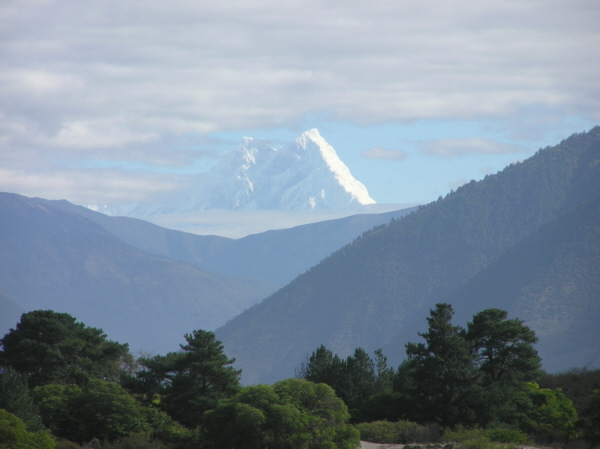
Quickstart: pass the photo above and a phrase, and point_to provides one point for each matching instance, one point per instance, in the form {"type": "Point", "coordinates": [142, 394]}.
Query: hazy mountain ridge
{"type": "Point", "coordinates": [144, 284]}
{"type": "Point", "coordinates": [378, 290]}
{"type": "Point", "coordinates": [56, 260]}
{"type": "Point", "coordinates": [276, 256]}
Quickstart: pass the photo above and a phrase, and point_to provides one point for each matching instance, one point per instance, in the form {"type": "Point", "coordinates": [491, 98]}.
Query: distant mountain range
{"type": "Point", "coordinates": [306, 174]}
{"type": "Point", "coordinates": [526, 240]}
{"type": "Point", "coordinates": [143, 284]}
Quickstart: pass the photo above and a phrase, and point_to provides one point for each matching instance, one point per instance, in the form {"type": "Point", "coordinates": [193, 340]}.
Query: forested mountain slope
{"type": "Point", "coordinates": [378, 290]}
{"type": "Point", "coordinates": [52, 259]}
{"type": "Point", "coordinates": [550, 280]}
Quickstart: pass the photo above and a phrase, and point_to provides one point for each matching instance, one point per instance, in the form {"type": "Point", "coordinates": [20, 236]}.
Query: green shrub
{"type": "Point", "coordinates": [503, 435]}
{"type": "Point", "coordinates": [468, 437]}
{"type": "Point", "coordinates": [461, 433]}
{"type": "Point", "coordinates": [14, 434]}
{"type": "Point", "coordinates": [478, 442]}
{"type": "Point", "coordinates": [552, 416]}
{"type": "Point", "coordinates": [399, 432]}
{"type": "Point", "coordinates": [378, 432]}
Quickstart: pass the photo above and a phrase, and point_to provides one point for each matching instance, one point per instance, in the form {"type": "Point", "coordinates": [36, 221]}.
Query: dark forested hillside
{"type": "Point", "coordinates": [373, 292]}
{"type": "Point", "coordinates": [550, 280]}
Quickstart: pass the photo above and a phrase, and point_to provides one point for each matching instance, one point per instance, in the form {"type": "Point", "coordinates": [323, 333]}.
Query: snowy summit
{"type": "Point", "coordinates": [306, 174]}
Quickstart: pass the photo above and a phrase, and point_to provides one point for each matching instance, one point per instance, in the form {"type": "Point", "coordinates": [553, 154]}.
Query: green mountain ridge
{"type": "Point", "coordinates": [378, 290]}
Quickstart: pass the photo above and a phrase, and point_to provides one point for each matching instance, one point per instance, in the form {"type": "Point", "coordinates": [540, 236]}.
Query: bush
{"type": "Point", "coordinates": [399, 432]}
{"type": "Point", "coordinates": [290, 413]}
{"type": "Point", "coordinates": [100, 410]}
{"type": "Point", "coordinates": [552, 416]}
{"type": "Point", "coordinates": [470, 438]}
{"type": "Point", "coordinates": [14, 434]}
{"type": "Point", "coordinates": [503, 435]}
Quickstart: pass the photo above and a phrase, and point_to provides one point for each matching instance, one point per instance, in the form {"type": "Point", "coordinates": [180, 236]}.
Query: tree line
{"type": "Point", "coordinates": [487, 375]}
{"type": "Point", "coordinates": [64, 384]}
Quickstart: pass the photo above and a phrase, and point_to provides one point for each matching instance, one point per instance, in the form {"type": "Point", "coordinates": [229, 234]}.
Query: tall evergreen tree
{"type": "Point", "coordinates": [504, 354]}
{"type": "Point", "coordinates": [322, 367]}
{"type": "Point", "coordinates": [359, 380]}
{"type": "Point", "coordinates": [503, 348]}
{"type": "Point", "coordinates": [442, 370]}
{"type": "Point", "coordinates": [190, 382]}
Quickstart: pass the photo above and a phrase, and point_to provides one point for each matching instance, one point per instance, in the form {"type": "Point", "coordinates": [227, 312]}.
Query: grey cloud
{"type": "Point", "coordinates": [213, 67]}
{"type": "Point", "coordinates": [461, 147]}
{"type": "Point", "coordinates": [89, 186]}
{"type": "Point", "coordinates": [126, 77]}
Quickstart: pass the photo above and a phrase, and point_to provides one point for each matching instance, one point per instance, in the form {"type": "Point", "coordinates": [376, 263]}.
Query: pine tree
{"type": "Point", "coordinates": [442, 371]}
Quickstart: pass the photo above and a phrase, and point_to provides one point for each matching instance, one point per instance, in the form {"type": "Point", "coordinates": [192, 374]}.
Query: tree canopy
{"type": "Point", "coordinates": [503, 348]}
{"type": "Point", "coordinates": [99, 409]}
{"type": "Point", "coordinates": [354, 379]}
{"type": "Point", "coordinates": [443, 374]}
{"type": "Point", "coordinates": [51, 347]}
{"type": "Point", "coordinates": [293, 413]}
{"type": "Point", "coordinates": [187, 383]}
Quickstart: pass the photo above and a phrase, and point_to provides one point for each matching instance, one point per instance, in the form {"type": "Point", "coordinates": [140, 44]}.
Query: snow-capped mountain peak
{"type": "Point", "coordinates": [341, 172]}
{"type": "Point", "coordinates": [306, 174]}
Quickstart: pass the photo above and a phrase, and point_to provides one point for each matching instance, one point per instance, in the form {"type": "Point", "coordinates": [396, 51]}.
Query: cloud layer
{"type": "Point", "coordinates": [118, 82]}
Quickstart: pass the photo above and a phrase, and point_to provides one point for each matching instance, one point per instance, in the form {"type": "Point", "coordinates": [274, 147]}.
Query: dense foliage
{"type": "Point", "coordinates": [443, 377]}
{"type": "Point", "coordinates": [478, 383]}
{"type": "Point", "coordinates": [482, 376]}
{"type": "Point", "coordinates": [292, 413]}
{"type": "Point", "coordinates": [186, 384]}
{"type": "Point", "coordinates": [14, 434]}
{"type": "Point", "coordinates": [50, 347]}
{"type": "Point", "coordinates": [355, 379]}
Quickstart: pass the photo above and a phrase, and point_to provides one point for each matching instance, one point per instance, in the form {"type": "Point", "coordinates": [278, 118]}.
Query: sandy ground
{"type": "Point", "coordinates": [366, 445]}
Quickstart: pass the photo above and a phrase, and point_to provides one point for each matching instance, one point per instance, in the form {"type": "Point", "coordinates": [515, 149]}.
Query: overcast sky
{"type": "Point", "coordinates": [111, 101]}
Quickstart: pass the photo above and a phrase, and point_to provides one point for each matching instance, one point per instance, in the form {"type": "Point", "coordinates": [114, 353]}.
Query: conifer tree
{"type": "Point", "coordinates": [443, 375]}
